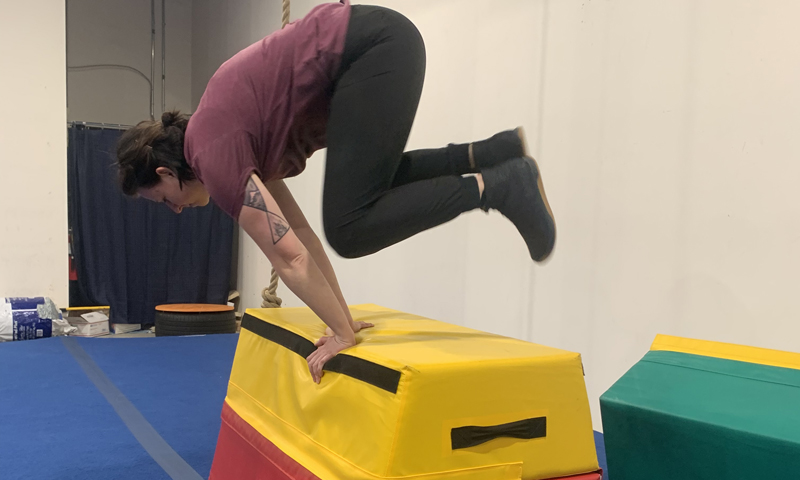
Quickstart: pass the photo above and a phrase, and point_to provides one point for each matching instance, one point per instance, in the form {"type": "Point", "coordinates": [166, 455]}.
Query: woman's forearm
{"type": "Point", "coordinates": [262, 219]}
{"type": "Point", "coordinates": [304, 278]}
{"type": "Point", "coordinates": [317, 251]}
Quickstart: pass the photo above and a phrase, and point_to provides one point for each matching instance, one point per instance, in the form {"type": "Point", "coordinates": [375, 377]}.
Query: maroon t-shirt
{"type": "Point", "coordinates": [265, 110]}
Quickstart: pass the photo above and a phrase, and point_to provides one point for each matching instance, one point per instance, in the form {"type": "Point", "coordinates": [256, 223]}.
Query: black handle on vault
{"type": "Point", "coordinates": [466, 437]}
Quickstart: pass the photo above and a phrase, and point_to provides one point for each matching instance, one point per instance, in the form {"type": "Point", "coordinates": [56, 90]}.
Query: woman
{"type": "Point", "coordinates": [349, 79]}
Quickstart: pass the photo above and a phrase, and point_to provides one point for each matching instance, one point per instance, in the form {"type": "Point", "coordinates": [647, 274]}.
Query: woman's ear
{"type": "Point", "coordinates": [165, 172]}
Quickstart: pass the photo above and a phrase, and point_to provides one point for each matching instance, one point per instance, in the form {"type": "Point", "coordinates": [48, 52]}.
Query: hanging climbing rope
{"type": "Point", "coordinates": [269, 295]}
{"type": "Point", "coordinates": [285, 16]}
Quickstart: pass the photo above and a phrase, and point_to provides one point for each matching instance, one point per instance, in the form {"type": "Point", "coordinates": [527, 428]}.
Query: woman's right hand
{"type": "Point", "coordinates": [357, 327]}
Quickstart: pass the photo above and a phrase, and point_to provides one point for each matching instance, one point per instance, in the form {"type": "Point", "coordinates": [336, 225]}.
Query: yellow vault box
{"type": "Point", "coordinates": [415, 399]}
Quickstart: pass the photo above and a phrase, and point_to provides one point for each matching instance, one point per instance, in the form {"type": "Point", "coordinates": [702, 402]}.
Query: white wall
{"type": "Point", "coordinates": [664, 132]}
{"type": "Point", "coordinates": [669, 139]}
{"type": "Point", "coordinates": [118, 32]}
{"type": "Point", "coordinates": [33, 150]}
{"type": "Point", "coordinates": [222, 28]}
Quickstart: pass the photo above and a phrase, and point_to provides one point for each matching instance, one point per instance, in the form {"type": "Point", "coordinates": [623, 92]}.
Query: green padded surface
{"type": "Point", "coordinates": [680, 416]}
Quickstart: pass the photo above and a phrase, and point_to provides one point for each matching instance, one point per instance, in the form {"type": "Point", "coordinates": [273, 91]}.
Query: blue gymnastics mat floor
{"type": "Point", "coordinates": [104, 409]}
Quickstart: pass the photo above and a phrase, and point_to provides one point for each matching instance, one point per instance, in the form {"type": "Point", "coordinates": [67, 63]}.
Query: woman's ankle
{"type": "Point", "coordinates": [479, 179]}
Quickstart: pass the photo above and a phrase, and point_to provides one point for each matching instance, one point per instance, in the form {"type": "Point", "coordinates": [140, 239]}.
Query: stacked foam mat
{"type": "Point", "coordinates": [416, 399]}
{"type": "Point", "coordinates": [694, 410]}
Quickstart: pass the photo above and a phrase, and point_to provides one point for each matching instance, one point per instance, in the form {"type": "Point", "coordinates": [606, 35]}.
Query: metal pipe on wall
{"type": "Point", "coordinates": [97, 125]}
{"type": "Point", "coordinates": [152, 56]}
{"type": "Point", "coordinates": [66, 51]}
{"type": "Point", "coordinates": [163, 55]}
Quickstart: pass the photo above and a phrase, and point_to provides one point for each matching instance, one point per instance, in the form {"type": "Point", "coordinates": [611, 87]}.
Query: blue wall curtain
{"type": "Point", "coordinates": [133, 254]}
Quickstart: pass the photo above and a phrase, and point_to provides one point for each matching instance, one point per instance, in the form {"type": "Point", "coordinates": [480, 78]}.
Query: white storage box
{"type": "Point", "coordinates": [92, 323]}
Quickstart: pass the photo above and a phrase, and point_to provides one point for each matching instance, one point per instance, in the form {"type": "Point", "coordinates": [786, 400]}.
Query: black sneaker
{"type": "Point", "coordinates": [515, 189]}
{"type": "Point", "coordinates": [497, 149]}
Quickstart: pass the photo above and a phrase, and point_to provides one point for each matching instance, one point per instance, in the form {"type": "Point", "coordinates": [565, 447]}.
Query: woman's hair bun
{"type": "Point", "coordinates": [174, 118]}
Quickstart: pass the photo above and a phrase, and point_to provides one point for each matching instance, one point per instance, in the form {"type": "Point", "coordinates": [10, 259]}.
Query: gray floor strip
{"type": "Point", "coordinates": [172, 463]}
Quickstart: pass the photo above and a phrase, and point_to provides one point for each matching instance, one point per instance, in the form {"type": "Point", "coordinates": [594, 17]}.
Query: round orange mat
{"type": "Point", "coordinates": [193, 308]}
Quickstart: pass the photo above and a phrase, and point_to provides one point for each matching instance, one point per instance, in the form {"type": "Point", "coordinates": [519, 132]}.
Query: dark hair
{"type": "Point", "coordinates": [149, 145]}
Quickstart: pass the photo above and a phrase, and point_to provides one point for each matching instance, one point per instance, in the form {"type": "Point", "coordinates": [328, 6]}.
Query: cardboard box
{"type": "Point", "coordinates": [121, 328]}
{"type": "Point", "coordinates": [90, 321]}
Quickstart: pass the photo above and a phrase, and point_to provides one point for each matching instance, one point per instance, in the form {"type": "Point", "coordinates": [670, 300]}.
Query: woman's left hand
{"type": "Point", "coordinates": [327, 348]}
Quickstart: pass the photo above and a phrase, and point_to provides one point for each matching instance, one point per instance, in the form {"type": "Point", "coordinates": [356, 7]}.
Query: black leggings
{"type": "Point", "coordinates": [375, 195]}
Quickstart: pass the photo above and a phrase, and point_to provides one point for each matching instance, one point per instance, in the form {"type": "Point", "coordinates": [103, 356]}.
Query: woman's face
{"type": "Point", "coordinates": [169, 192]}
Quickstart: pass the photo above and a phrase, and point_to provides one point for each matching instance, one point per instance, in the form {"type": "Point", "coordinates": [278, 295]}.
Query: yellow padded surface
{"type": "Point", "coordinates": [729, 351]}
{"type": "Point", "coordinates": [450, 377]}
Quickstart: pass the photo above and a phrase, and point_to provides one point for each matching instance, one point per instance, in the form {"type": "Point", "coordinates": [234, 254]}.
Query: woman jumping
{"type": "Point", "coordinates": [349, 79]}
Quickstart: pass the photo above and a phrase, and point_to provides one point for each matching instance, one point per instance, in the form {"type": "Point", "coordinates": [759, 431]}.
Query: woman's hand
{"type": "Point", "coordinates": [357, 327]}
{"type": "Point", "coordinates": [327, 348]}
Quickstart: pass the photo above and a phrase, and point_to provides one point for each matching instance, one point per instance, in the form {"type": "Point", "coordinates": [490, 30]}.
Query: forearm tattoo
{"type": "Point", "coordinates": [278, 225]}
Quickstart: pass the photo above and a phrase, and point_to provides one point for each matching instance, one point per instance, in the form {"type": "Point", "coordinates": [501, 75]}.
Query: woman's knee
{"type": "Point", "coordinates": [341, 241]}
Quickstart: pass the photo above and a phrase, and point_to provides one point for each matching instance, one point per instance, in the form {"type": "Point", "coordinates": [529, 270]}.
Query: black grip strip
{"type": "Point", "coordinates": [466, 437]}
{"type": "Point", "coordinates": [382, 377]}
